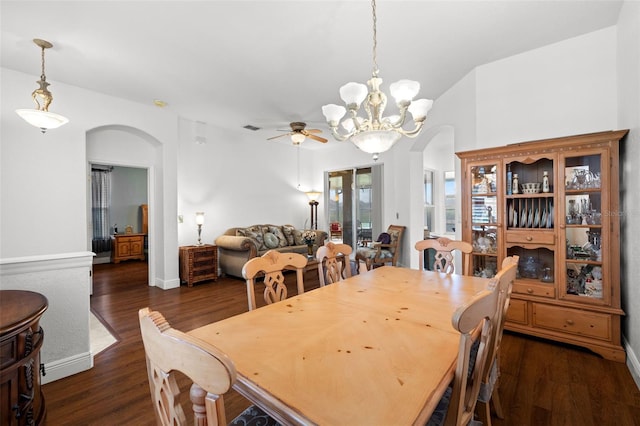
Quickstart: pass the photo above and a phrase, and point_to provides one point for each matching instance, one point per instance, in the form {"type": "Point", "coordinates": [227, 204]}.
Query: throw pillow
{"type": "Point", "coordinates": [257, 238]}
{"type": "Point", "coordinates": [288, 231]}
{"type": "Point", "coordinates": [297, 236]}
{"type": "Point", "coordinates": [384, 238]}
{"type": "Point", "coordinates": [277, 231]}
{"type": "Point", "coordinates": [271, 241]}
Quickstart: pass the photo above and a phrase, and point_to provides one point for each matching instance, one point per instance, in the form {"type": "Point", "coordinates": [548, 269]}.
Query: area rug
{"type": "Point", "coordinates": [99, 335]}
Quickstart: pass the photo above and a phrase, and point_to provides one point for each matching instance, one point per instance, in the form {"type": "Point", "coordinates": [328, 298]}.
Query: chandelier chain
{"type": "Point", "coordinates": [375, 41]}
{"type": "Point", "coordinates": [42, 76]}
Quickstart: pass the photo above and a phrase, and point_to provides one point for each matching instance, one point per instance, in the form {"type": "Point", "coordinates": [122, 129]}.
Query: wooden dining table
{"type": "Point", "coordinates": [375, 349]}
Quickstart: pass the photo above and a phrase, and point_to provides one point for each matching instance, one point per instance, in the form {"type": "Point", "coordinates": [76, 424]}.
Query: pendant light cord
{"type": "Point", "coordinates": [42, 76]}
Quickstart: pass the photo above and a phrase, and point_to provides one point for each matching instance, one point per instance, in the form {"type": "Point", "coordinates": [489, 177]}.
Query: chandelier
{"type": "Point", "coordinates": [42, 97]}
{"type": "Point", "coordinates": [376, 134]}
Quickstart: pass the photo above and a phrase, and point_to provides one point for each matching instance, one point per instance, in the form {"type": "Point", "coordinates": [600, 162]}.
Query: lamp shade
{"type": "Point", "coordinates": [199, 218]}
{"type": "Point", "coordinates": [333, 112]}
{"type": "Point", "coordinates": [44, 120]}
{"type": "Point", "coordinates": [313, 195]}
{"type": "Point", "coordinates": [404, 90]}
{"type": "Point", "coordinates": [297, 138]}
{"type": "Point", "coordinates": [420, 107]}
{"type": "Point", "coordinates": [353, 93]}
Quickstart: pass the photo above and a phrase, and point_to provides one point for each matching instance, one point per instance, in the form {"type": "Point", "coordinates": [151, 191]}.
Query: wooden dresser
{"type": "Point", "coordinates": [21, 401]}
{"type": "Point", "coordinates": [126, 247]}
{"type": "Point", "coordinates": [198, 263]}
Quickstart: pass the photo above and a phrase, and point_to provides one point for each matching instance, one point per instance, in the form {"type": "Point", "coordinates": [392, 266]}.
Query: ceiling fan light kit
{"type": "Point", "coordinates": [42, 97]}
{"type": "Point", "coordinates": [375, 133]}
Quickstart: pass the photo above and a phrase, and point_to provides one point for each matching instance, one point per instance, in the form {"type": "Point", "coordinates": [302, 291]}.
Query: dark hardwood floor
{"type": "Point", "coordinates": [543, 383]}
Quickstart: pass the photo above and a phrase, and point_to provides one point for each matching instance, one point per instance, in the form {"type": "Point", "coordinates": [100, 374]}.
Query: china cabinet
{"type": "Point", "coordinates": [554, 203]}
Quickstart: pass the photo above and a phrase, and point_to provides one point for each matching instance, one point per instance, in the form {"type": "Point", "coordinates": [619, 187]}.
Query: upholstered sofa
{"type": "Point", "coordinates": [237, 245]}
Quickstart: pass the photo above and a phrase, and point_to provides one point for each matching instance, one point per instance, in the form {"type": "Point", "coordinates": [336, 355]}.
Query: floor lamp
{"type": "Point", "coordinates": [313, 205]}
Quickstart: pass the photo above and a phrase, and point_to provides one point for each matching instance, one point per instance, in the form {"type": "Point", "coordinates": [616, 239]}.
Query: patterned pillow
{"type": "Point", "coordinates": [252, 233]}
{"type": "Point", "coordinates": [288, 231]}
{"type": "Point", "coordinates": [270, 240]}
{"type": "Point", "coordinates": [277, 231]}
{"type": "Point", "coordinates": [297, 237]}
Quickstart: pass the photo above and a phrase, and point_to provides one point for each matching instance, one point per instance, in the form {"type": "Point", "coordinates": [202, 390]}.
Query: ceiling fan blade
{"type": "Point", "coordinates": [313, 130]}
{"type": "Point", "coordinates": [317, 138]}
{"type": "Point", "coordinates": [279, 136]}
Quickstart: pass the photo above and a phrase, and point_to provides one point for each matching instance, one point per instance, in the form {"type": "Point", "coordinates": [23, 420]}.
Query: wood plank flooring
{"type": "Point", "coordinates": [543, 383]}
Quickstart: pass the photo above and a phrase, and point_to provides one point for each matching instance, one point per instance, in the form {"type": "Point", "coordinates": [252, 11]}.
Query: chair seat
{"type": "Point", "coordinates": [254, 416]}
{"type": "Point", "coordinates": [370, 253]}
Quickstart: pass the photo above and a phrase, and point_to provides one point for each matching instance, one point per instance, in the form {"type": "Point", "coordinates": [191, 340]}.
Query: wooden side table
{"type": "Point", "coordinates": [198, 263]}
{"type": "Point", "coordinates": [21, 337]}
{"type": "Point", "coordinates": [126, 247]}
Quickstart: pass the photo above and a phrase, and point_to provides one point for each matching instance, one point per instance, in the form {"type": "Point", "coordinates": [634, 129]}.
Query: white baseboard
{"type": "Point", "coordinates": [632, 362]}
{"type": "Point", "coordinates": [67, 367]}
{"type": "Point", "coordinates": [167, 284]}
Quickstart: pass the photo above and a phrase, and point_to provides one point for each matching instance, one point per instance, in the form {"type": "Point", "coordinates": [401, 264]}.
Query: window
{"type": "Point", "coordinates": [450, 201]}
{"type": "Point", "coordinates": [354, 200]}
{"type": "Point", "coordinates": [429, 204]}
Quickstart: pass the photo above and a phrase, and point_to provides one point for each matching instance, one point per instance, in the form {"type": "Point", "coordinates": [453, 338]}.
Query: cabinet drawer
{"type": "Point", "coordinates": [575, 321]}
{"type": "Point", "coordinates": [8, 352]}
{"type": "Point", "coordinates": [518, 311]}
{"type": "Point", "coordinates": [534, 289]}
{"type": "Point", "coordinates": [203, 254]}
{"type": "Point", "coordinates": [529, 237]}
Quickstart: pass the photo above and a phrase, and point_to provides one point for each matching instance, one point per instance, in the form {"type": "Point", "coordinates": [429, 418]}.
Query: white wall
{"type": "Point", "coordinates": [563, 89]}
{"type": "Point", "coordinates": [44, 206]}
{"type": "Point", "coordinates": [628, 65]}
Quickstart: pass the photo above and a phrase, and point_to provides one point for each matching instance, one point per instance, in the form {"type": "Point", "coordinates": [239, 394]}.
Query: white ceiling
{"type": "Point", "coordinates": [266, 63]}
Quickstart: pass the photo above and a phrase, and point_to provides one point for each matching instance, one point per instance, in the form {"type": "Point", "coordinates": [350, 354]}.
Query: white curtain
{"type": "Point", "coordinates": [101, 203]}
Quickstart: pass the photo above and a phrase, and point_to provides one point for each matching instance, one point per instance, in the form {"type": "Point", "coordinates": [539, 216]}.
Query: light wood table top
{"type": "Point", "coordinates": [375, 349]}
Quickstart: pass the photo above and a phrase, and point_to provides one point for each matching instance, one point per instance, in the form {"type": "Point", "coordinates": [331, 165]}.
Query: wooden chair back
{"type": "Point", "coordinates": [474, 322]}
{"type": "Point", "coordinates": [272, 265]}
{"type": "Point", "coordinates": [502, 283]}
{"type": "Point", "coordinates": [168, 350]}
{"type": "Point", "coordinates": [334, 263]}
{"type": "Point", "coordinates": [445, 251]}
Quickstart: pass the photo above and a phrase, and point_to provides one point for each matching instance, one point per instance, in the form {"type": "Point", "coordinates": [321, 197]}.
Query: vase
{"type": "Point", "coordinates": [309, 249]}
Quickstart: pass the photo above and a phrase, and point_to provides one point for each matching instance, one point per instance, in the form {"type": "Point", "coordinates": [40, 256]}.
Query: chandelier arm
{"type": "Point", "coordinates": [338, 136]}
{"type": "Point", "coordinates": [403, 116]}
{"type": "Point", "coordinates": [411, 133]}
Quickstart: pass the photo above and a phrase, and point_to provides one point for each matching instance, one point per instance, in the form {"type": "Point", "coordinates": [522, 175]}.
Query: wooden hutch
{"type": "Point", "coordinates": [566, 232]}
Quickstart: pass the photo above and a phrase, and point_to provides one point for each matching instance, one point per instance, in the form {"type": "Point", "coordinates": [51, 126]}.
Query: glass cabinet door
{"type": "Point", "coordinates": [584, 249]}
{"type": "Point", "coordinates": [484, 219]}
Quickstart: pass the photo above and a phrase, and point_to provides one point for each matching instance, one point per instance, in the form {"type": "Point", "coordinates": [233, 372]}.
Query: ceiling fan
{"type": "Point", "coordinates": [298, 133]}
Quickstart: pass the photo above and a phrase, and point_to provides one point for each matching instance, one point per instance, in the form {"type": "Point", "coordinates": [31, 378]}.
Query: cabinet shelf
{"type": "Point", "coordinates": [536, 195]}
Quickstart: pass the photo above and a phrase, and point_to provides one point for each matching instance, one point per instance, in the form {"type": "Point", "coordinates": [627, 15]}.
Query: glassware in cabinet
{"type": "Point", "coordinates": [585, 247]}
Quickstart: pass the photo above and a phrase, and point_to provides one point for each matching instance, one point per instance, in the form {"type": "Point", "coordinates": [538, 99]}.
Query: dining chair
{"type": "Point", "coordinates": [168, 351]}
{"type": "Point", "coordinates": [474, 322]}
{"type": "Point", "coordinates": [272, 265]}
{"type": "Point", "coordinates": [382, 253]}
{"type": "Point", "coordinates": [503, 284]}
{"type": "Point", "coordinates": [445, 249]}
{"type": "Point", "coordinates": [335, 230]}
{"type": "Point", "coordinates": [334, 263]}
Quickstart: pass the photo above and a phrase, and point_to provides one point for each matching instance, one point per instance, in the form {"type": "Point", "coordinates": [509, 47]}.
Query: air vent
{"type": "Point", "coordinates": [250, 127]}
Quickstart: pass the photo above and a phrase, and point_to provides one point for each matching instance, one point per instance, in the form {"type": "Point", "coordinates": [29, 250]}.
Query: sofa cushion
{"type": "Point", "coordinates": [297, 237]}
{"type": "Point", "coordinates": [271, 241]}
{"type": "Point", "coordinates": [277, 231]}
{"type": "Point", "coordinates": [289, 231]}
